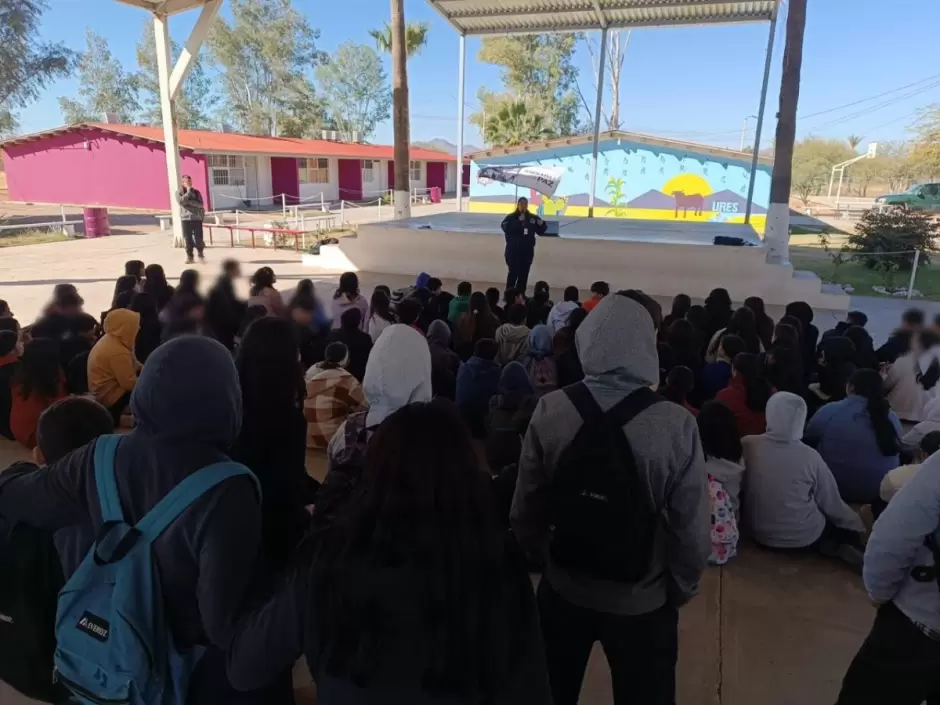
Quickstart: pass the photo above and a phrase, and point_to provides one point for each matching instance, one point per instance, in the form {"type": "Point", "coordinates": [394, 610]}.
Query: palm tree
{"type": "Point", "coordinates": [854, 141]}
{"type": "Point", "coordinates": [398, 47]}
{"type": "Point", "coordinates": [515, 123]}
{"type": "Point", "coordinates": [778, 217]}
{"type": "Point", "coordinates": [416, 37]}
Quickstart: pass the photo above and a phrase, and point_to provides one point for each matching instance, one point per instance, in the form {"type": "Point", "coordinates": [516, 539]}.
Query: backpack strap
{"type": "Point", "coordinates": [632, 406]}
{"type": "Point", "coordinates": [106, 480]}
{"type": "Point", "coordinates": [181, 497]}
{"type": "Point", "coordinates": [584, 402]}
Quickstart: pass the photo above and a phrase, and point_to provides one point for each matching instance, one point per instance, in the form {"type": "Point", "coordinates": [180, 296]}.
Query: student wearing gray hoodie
{"type": "Point", "coordinates": [791, 498]}
{"type": "Point", "coordinates": [636, 623]}
{"type": "Point", "coordinates": [899, 663]}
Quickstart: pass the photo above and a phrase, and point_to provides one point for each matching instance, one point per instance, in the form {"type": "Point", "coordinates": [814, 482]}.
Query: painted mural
{"type": "Point", "coordinates": [634, 180]}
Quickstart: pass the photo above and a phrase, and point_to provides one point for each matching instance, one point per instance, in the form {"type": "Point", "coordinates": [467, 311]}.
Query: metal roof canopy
{"type": "Point", "coordinates": [170, 77]}
{"type": "Point", "coordinates": [165, 7]}
{"type": "Point", "coordinates": [488, 17]}
{"type": "Point", "coordinates": [481, 17]}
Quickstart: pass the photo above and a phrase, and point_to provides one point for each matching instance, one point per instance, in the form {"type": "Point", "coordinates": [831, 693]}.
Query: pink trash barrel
{"type": "Point", "coordinates": [435, 194]}
{"type": "Point", "coordinates": [97, 223]}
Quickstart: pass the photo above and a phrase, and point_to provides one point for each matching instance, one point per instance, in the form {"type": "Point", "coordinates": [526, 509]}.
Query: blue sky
{"type": "Point", "coordinates": [692, 83]}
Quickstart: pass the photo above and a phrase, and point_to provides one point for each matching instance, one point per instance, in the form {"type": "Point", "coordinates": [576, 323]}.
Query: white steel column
{"type": "Point", "coordinates": [597, 119]}
{"type": "Point", "coordinates": [171, 145]}
{"type": "Point", "coordinates": [760, 120]}
{"type": "Point", "coordinates": [191, 49]}
{"type": "Point", "coordinates": [461, 81]}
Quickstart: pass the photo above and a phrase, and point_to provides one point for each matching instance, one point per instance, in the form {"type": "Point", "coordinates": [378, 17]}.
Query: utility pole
{"type": "Point", "coordinates": [400, 118]}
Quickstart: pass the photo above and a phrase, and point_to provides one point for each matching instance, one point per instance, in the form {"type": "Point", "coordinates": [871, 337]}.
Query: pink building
{"type": "Point", "coordinates": [124, 166]}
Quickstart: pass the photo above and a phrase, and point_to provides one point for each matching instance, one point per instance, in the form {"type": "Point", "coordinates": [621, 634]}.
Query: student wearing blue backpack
{"type": "Point", "coordinates": [142, 604]}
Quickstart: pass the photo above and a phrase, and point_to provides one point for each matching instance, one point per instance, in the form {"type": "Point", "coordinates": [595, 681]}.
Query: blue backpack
{"type": "Point", "coordinates": [114, 645]}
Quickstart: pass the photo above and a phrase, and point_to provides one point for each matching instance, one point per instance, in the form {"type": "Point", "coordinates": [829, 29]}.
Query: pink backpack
{"type": "Point", "coordinates": [724, 525]}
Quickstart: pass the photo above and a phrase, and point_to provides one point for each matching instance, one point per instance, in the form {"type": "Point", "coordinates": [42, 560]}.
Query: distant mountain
{"type": "Point", "coordinates": [653, 199]}
{"type": "Point", "coordinates": [441, 145]}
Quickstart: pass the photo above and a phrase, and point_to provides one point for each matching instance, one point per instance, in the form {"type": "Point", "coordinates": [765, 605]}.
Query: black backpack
{"type": "Point", "coordinates": [29, 590]}
{"type": "Point", "coordinates": [603, 519]}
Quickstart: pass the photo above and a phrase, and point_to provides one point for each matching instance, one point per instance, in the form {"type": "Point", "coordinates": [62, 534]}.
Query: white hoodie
{"type": "Point", "coordinates": [790, 492]}
{"type": "Point", "coordinates": [904, 391]}
{"type": "Point", "coordinates": [558, 316]}
{"type": "Point", "coordinates": [931, 422]}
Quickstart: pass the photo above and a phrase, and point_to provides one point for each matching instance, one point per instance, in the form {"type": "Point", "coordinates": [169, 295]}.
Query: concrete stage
{"type": "Point", "coordinates": [661, 257]}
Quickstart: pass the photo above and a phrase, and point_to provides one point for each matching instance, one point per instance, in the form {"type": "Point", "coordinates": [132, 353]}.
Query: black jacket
{"type": "Point", "coordinates": [897, 345]}
{"type": "Point", "coordinates": [277, 633]}
{"type": "Point", "coordinates": [520, 234]}
{"type": "Point", "coordinates": [224, 312]}
{"type": "Point", "coordinates": [6, 397]}
{"type": "Point", "coordinates": [187, 405]}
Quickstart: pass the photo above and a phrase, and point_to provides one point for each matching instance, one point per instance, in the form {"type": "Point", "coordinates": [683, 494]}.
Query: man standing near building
{"type": "Point", "coordinates": [193, 209]}
{"type": "Point", "coordinates": [612, 494]}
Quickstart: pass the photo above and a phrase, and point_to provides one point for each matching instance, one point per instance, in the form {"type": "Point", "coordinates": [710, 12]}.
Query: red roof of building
{"type": "Point", "coordinates": [203, 141]}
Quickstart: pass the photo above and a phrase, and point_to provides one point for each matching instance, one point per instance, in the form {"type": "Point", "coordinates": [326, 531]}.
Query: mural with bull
{"type": "Point", "coordinates": [671, 181]}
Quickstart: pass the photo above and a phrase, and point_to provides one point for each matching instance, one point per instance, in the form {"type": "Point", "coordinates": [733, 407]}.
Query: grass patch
{"type": "Point", "coordinates": [32, 237]}
{"type": "Point", "coordinates": [863, 279]}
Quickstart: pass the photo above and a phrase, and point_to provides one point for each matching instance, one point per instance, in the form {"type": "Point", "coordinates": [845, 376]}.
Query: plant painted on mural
{"type": "Point", "coordinates": [516, 123]}
{"type": "Point", "coordinates": [615, 196]}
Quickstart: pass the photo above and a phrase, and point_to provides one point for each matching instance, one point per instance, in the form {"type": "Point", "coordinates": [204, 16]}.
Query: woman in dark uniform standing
{"type": "Point", "coordinates": [520, 228]}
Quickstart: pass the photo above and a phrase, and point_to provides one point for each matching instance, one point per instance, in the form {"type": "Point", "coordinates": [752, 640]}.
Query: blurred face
{"type": "Point", "coordinates": [196, 313]}
{"type": "Point", "coordinates": [187, 182]}
{"type": "Point", "coordinates": [523, 205]}
{"type": "Point", "coordinates": [301, 316]}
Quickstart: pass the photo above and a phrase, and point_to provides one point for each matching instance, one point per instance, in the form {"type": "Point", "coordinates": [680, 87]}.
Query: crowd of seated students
{"type": "Point", "coordinates": [757, 424]}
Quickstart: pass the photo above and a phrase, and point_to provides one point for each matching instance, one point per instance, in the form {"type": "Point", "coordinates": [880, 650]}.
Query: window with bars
{"type": "Point", "coordinates": [416, 171]}
{"type": "Point", "coordinates": [314, 171]}
{"type": "Point", "coordinates": [369, 171]}
{"type": "Point", "coordinates": [227, 169]}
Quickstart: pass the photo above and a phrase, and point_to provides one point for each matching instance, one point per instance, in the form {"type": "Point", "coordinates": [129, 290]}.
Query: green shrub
{"type": "Point", "coordinates": [891, 232]}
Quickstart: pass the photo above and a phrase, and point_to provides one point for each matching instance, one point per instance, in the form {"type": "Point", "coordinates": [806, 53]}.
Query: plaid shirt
{"type": "Point", "coordinates": [332, 395]}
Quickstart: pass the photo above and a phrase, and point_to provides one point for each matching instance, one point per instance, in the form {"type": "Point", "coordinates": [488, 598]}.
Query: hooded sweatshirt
{"type": "Point", "coordinates": [398, 373]}
{"type": "Point", "coordinates": [790, 492]}
{"type": "Point", "coordinates": [512, 341]}
{"type": "Point", "coordinates": [477, 381]}
{"type": "Point", "coordinates": [187, 405]}
{"type": "Point", "coordinates": [332, 395]}
{"type": "Point", "coordinates": [558, 316]}
{"type": "Point", "coordinates": [343, 303]}
{"type": "Point", "coordinates": [510, 412]}
{"type": "Point", "coordinates": [896, 546]}
{"type": "Point", "coordinates": [112, 368]}
{"type": "Point", "coordinates": [910, 442]}
{"type": "Point", "coordinates": [843, 434]}
{"type": "Point", "coordinates": [617, 347]}
{"type": "Point", "coordinates": [444, 361]}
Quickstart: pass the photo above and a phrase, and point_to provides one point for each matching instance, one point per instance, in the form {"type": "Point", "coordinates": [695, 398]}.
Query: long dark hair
{"type": "Point", "coordinates": [748, 367]}
{"type": "Point", "coordinates": [123, 291]}
{"type": "Point", "coordinates": [718, 429]}
{"type": "Point", "coordinates": [156, 285]}
{"type": "Point", "coordinates": [479, 319]}
{"type": "Point", "coordinates": [744, 325]}
{"type": "Point", "coordinates": [271, 376]}
{"type": "Point", "coordinates": [681, 303]}
{"type": "Point", "coordinates": [683, 339]}
{"type": "Point", "coordinates": [868, 384]}
{"type": "Point", "coordinates": [39, 372]}
{"type": "Point", "coordinates": [764, 324]}
{"type": "Point", "coordinates": [379, 305]}
{"type": "Point", "coordinates": [417, 537]}
{"type": "Point", "coordinates": [679, 383]}
{"type": "Point", "coordinates": [838, 354]}
{"type": "Point", "coordinates": [189, 282]}
{"type": "Point", "coordinates": [348, 285]}
{"type": "Point", "coordinates": [262, 279]}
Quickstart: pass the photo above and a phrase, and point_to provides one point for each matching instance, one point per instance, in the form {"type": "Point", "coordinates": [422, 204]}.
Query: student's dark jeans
{"type": "Point", "coordinates": [641, 650]}
{"type": "Point", "coordinates": [897, 665]}
{"type": "Point", "coordinates": [192, 234]}
{"type": "Point", "coordinates": [118, 407]}
{"type": "Point", "coordinates": [519, 262]}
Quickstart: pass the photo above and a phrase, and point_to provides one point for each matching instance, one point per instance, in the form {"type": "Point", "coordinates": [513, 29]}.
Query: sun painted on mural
{"type": "Point", "coordinates": [633, 181]}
